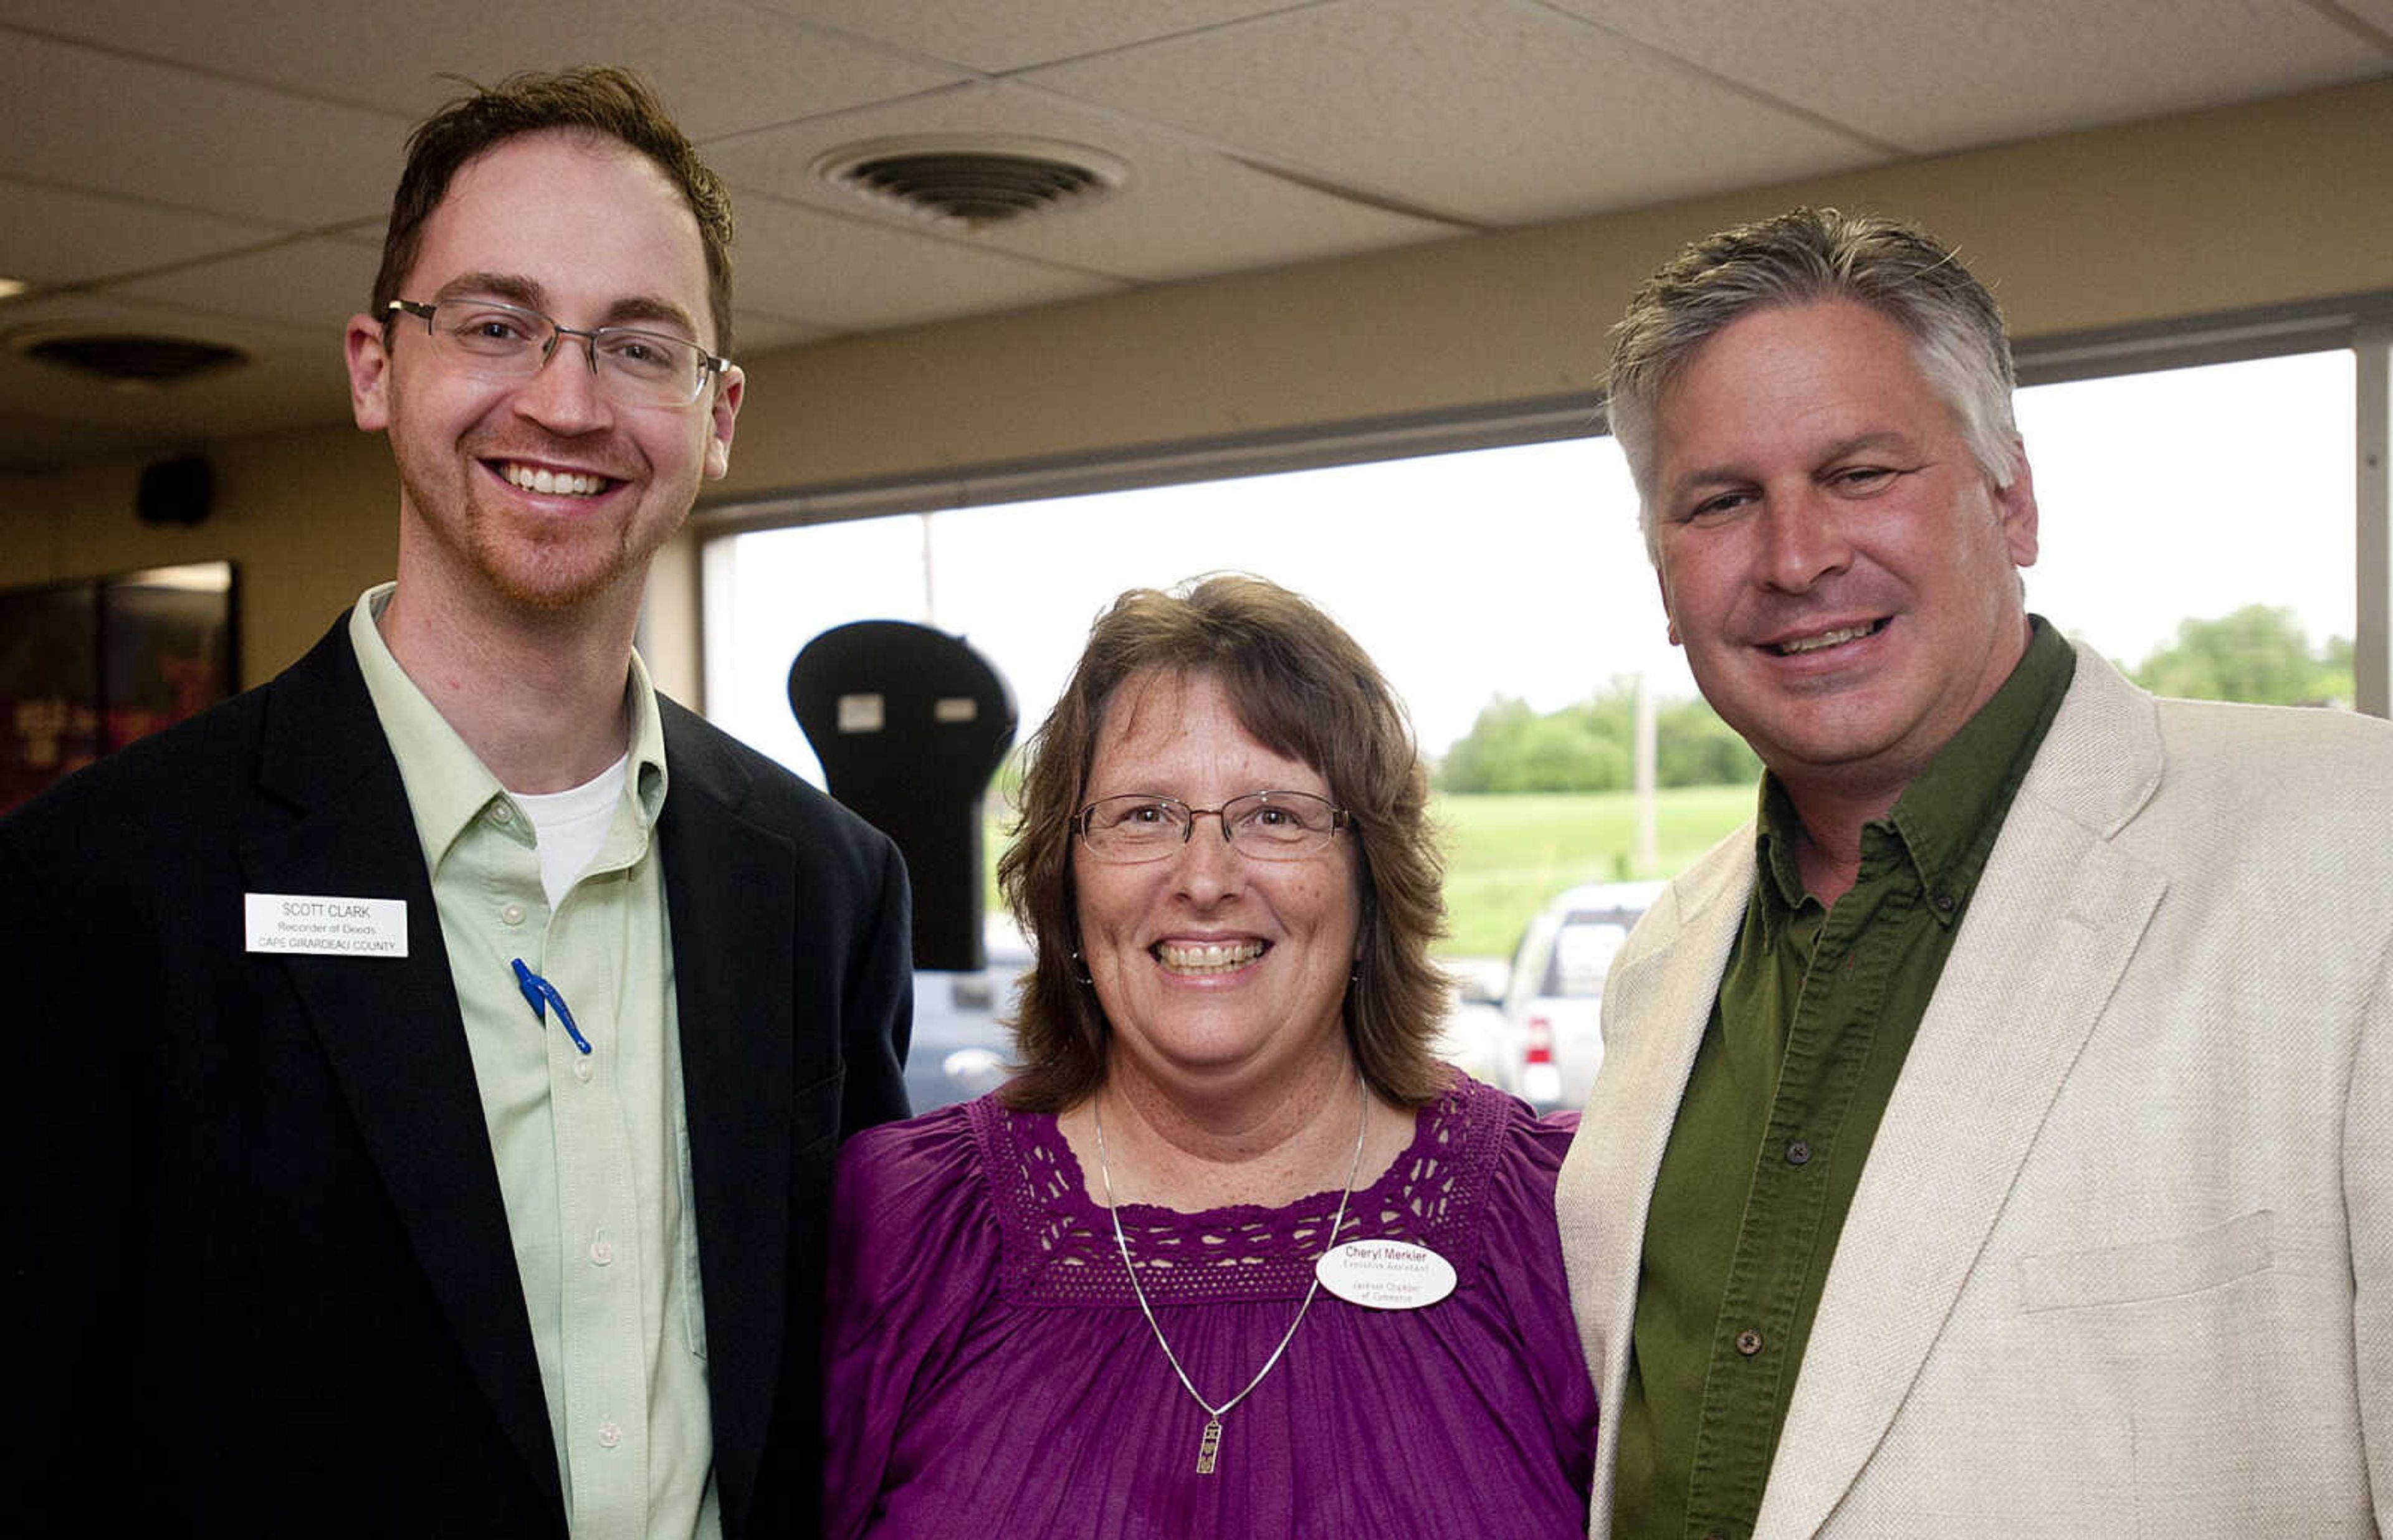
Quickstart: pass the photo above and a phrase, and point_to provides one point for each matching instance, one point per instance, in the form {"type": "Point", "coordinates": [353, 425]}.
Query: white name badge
{"type": "Point", "coordinates": [1385, 1274]}
{"type": "Point", "coordinates": [326, 927]}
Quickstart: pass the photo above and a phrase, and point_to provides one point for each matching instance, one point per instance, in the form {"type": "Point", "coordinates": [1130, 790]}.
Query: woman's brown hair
{"type": "Point", "coordinates": [1299, 685]}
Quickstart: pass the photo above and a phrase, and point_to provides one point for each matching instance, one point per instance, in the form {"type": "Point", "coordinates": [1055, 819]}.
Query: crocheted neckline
{"type": "Point", "coordinates": [1059, 1243]}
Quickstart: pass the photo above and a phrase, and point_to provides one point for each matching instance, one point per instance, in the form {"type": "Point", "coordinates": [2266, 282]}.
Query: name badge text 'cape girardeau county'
{"type": "Point", "coordinates": [1385, 1274]}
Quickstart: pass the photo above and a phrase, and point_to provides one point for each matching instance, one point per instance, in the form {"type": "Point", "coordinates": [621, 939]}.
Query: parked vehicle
{"type": "Point", "coordinates": [961, 1045]}
{"type": "Point", "coordinates": [1550, 1007]}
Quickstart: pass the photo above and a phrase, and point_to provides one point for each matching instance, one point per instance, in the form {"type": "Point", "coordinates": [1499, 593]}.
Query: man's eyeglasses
{"type": "Point", "coordinates": [1270, 825]}
{"type": "Point", "coordinates": [498, 341]}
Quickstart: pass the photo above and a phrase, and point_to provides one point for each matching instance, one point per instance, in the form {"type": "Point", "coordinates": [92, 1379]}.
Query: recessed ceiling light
{"type": "Point", "coordinates": [128, 360]}
{"type": "Point", "coordinates": [972, 180]}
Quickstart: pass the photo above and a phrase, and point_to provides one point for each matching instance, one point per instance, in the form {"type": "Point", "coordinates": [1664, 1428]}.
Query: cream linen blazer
{"type": "Point", "coordinates": [2121, 1262]}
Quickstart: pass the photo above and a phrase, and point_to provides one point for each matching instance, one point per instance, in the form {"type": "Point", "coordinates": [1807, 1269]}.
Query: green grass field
{"type": "Point", "coordinates": [1506, 855]}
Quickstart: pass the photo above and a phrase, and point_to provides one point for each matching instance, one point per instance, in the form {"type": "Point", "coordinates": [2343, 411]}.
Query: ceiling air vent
{"type": "Point", "coordinates": [128, 359]}
{"type": "Point", "coordinates": [976, 182]}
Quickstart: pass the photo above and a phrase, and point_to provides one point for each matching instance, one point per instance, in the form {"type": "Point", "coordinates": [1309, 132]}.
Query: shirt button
{"type": "Point", "coordinates": [1943, 899]}
{"type": "Point", "coordinates": [582, 1070]}
{"type": "Point", "coordinates": [503, 813]}
{"type": "Point", "coordinates": [609, 1435]}
{"type": "Point", "coordinates": [1748, 1341]}
{"type": "Point", "coordinates": [602, 1250]}
{"type": "Point", "coordinates": [1797, 1151]}
{"type": "Point", "coordinates": [511, 914]}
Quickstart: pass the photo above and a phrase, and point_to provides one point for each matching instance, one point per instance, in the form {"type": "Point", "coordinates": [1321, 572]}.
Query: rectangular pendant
{"type": "Point", "coordinates": [1209, 1447]}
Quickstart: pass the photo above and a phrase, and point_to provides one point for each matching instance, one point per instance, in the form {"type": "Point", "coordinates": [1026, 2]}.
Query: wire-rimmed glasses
{"type": "Point", "coordinates": [1270, 825]}
{"type": "Point", "coordinates": [498, 341]}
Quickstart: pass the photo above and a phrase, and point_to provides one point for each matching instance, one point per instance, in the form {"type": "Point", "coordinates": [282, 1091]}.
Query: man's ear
{"type": "Point", "coordinates": [368, 355]}
{"type": "Point", "coordinates": [1664, 584]}
{"type": "Point", "coordinates": [722, 413]}
{"type": "Point", "coordinates": [2016, 508]}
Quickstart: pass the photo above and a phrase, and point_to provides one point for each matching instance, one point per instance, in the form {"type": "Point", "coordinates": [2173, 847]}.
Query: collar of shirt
{"type": "Point", "coordinates": [1946, 819]}
{"type": "Point", "coordinates": [448, 786]}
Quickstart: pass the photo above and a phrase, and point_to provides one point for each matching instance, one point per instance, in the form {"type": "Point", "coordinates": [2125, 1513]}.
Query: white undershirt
{"type": "Point", "coordinates": [571, 825]}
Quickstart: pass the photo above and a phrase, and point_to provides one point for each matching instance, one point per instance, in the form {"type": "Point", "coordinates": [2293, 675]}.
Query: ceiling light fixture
{"type": "Point", "coordinates": [128, 360]}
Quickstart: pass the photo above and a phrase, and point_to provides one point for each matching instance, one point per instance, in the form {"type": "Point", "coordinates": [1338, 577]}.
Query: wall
{"type": "Point", "coordinates": [2278, 202]}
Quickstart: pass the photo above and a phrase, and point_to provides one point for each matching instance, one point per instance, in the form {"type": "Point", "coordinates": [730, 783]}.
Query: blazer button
{"type": "Point", "coordinates": [1748, 1341]}
{"type": "Point", "coordinates": [1799, 1151]}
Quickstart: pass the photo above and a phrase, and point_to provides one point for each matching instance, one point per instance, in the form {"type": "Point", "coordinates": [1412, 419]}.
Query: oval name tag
{"type": "Point", "coordinates": [1385, 1274]}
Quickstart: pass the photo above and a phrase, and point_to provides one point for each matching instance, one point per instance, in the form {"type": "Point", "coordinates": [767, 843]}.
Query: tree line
{"type": "Point", "coordinates": [2257, 654]}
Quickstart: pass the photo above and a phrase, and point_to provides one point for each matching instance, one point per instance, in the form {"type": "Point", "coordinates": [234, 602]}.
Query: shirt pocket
{"type": "Point", "coordinates": [2161, 1269]}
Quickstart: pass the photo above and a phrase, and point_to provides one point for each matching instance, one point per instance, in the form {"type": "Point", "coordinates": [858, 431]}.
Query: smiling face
{"type": "Point", "coordinates": [1211, 966]}
{"type": "Point", "coordinates": [544, 492]}
{"type": "Point", "coordinates": [1840, 569]}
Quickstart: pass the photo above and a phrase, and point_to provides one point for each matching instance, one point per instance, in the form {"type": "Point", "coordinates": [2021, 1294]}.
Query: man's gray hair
{"type": "Point", "coordinates": [1803, 257]}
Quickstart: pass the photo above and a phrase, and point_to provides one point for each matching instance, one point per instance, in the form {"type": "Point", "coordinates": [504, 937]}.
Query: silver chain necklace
{"type": "Point", "coordinates": [1209, 1447]}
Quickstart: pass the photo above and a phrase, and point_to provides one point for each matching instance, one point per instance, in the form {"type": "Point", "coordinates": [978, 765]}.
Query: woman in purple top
{"type": "Point", "coordinates": [1235, 1255]}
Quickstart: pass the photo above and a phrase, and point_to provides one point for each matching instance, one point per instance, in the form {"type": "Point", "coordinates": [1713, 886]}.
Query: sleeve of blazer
{"type": "Point", "coordinates": [882, 1023]}
{"type": "Point", "coordinates": [2368, 1199]}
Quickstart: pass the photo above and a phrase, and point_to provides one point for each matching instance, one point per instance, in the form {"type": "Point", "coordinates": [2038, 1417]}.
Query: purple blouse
{"type": "Point", "coordinates": [988, 1372]}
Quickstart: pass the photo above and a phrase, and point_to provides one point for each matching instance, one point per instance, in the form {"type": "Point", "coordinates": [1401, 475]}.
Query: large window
{"type": "Point", "coordinates": [1515, 571]}
{"type": "Point", "coordinates": [2183, 494]}
{"type": "Point", "coordinates": [2191, 494]}
{"type": "Point", "coordinates": [2220, 495]}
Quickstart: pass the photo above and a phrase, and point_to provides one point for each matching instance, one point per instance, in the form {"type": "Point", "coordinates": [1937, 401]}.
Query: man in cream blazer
{"type": "Point", "coordinates": [2116, 1256]}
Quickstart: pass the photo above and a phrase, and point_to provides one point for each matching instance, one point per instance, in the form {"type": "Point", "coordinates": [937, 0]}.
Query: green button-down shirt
{"type": "Point", "coordinates": [1816, 1015]}
{"type": "Point", "coordinates": [593, 1150]}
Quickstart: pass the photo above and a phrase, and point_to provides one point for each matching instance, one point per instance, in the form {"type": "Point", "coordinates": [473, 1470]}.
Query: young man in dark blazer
{"type": "Point", "coordinates": [429, 1066]}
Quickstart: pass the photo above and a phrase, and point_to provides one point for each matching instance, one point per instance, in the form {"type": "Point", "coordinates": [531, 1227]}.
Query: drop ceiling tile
{"type": "Point", "coordinates": [1008, 35]}
{"type": "Point", "coordinates": [82, 119]}
{"type": "Point", "coordinates": [720, 65]}
{"type": "Point", "coordinates": [1935, 75]}
{"type": "Point", "coordinates": [851, 275]}
{"type": "Point", "coordinates": [1495, 109]}
{"type": "Point", "coordinates": [2374, 13]}
{"type": "Point", "coordinates": [1183, 211]}
{"type": "Point", "coordinates": [360, 232]}
{"type": "Point", "coordinates": [317, 284]}
{"type": "Point", "coordinates": [53, 236]}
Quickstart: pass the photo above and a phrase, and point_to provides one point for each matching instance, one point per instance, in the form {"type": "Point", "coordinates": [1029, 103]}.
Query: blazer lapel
{"type": "Point", "coordinates": [731, 890]}
{"type": "Point", "coordinates": [2053, 921]}
{"type": "Point", "coordinates": [1656, 1004]}
{"type": "Point", "coordinates": [330, 818]}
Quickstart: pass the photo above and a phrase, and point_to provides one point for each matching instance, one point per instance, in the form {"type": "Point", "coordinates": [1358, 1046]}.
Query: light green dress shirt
{"type": "Point", "coordinates": [593, 1150]}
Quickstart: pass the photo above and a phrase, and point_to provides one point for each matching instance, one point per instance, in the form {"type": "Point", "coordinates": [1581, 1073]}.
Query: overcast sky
{"type": "Point", "coordinates": [1517, 571]}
